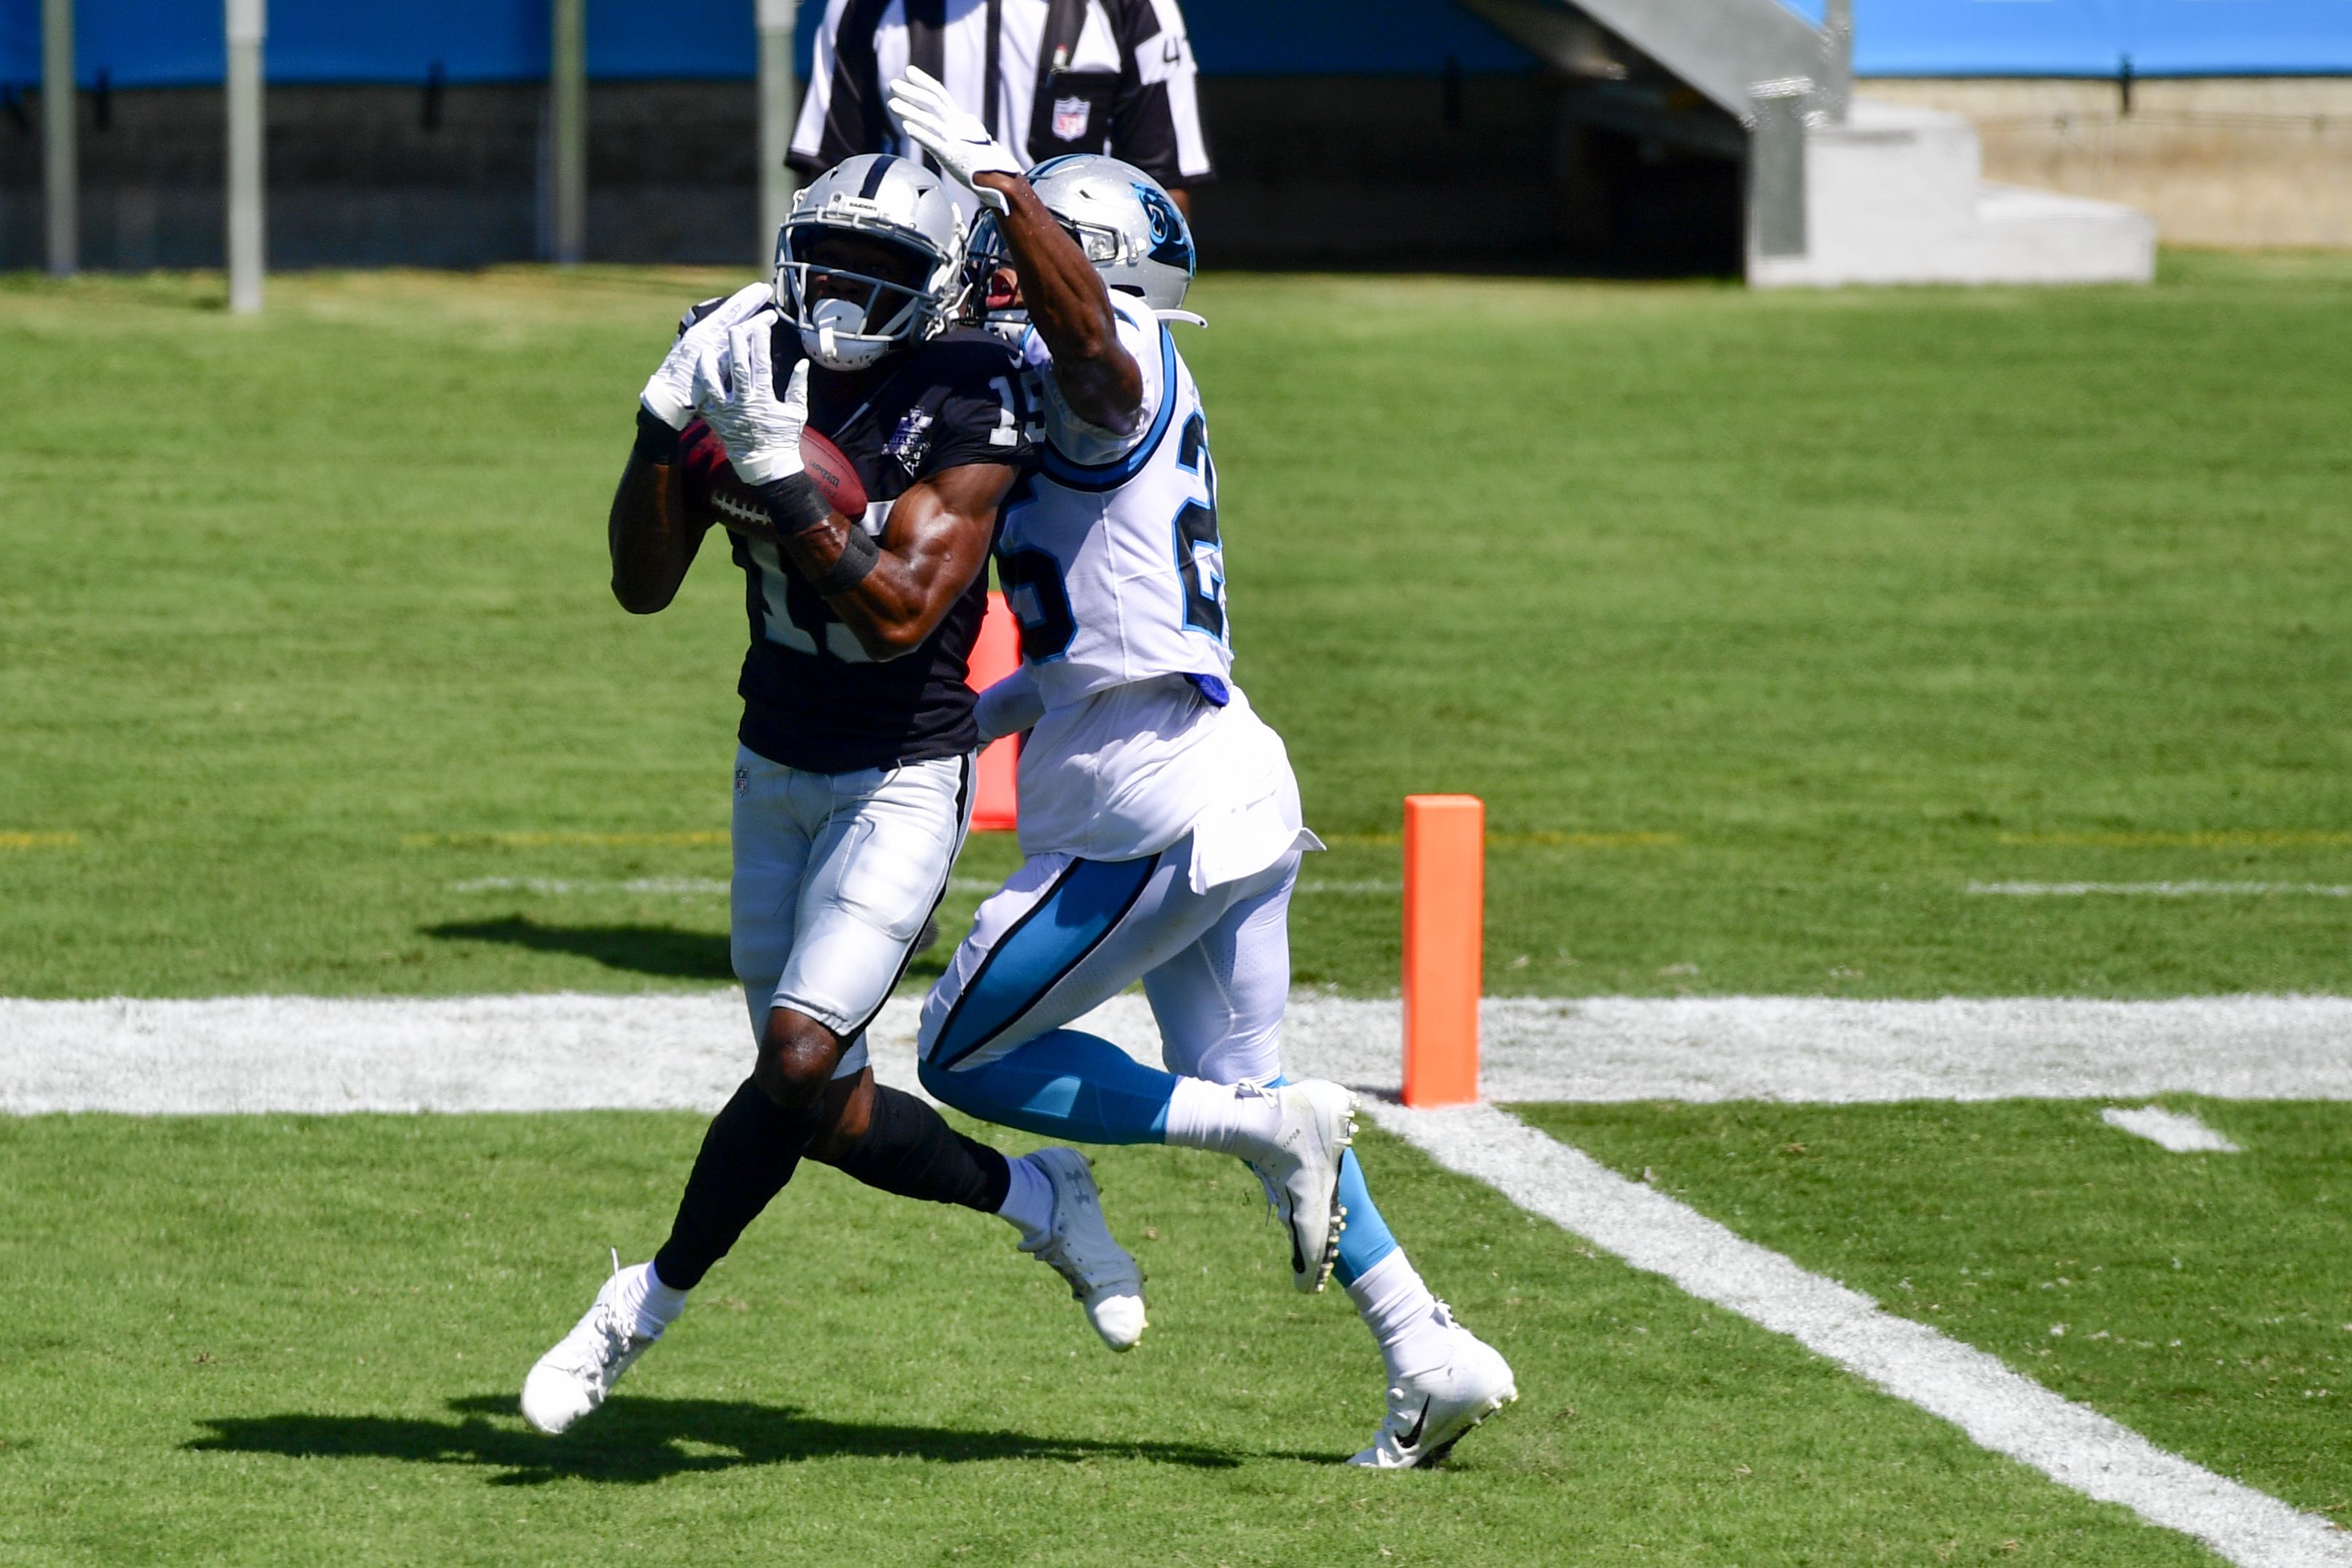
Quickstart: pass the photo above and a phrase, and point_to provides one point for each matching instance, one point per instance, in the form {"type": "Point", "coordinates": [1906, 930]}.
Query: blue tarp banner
{"type": "Point", "coordinates": [171, 43]}
{"type": "Point", "coordinates": [151, 43]}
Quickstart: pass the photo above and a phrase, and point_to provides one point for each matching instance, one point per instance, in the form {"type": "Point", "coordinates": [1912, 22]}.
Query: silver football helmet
{"type": "Point", "coordinates": [899, 203]}
{"type": "Point", "coordinates": [1121, 217]}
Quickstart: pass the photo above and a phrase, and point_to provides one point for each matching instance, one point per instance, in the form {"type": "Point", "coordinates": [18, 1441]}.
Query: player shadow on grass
{"type": "Point", "coordinates": [670, 951]}
{"type": "Point", "coordinates": [633, 1440]}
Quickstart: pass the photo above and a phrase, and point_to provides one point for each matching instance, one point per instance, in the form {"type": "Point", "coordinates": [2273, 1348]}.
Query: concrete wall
{"type": "Point", "coordinates": [2245, 163]}
{"type": "Point", "coordinates": [371, 175]}
{"type": "Point", "coordinates": [1486, 172]}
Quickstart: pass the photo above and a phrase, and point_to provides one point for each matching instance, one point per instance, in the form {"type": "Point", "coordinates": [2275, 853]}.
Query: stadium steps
{"type": "Point", "coordinates": [1896, 194]}
{"type": "Point", "coordinates": [1841, 190]}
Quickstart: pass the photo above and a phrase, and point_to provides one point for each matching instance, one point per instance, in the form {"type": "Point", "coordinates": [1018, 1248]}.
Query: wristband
{"type": "Point", "coordinates": [656, 442]}
{"type": "Point", "coordinates": [793, 505]}
{"type": "Point", "coordinates": [858, 554]}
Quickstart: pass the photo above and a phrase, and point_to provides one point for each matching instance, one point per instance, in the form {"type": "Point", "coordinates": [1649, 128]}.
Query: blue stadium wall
{"type": "Point", "coordinates": [1346, 133]}
{"type": "Point", "coordinates": [171, 43]}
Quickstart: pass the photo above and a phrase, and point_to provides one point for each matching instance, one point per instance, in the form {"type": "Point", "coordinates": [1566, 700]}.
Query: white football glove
{"type": "Point", "coordinates": [737, 395]}
{"type": "Point", "coordinates": [956, 138]}
{"type": "Point", "coordinates": [1008, 708]}
{"type": "Point", "coordinates": [669, 394]}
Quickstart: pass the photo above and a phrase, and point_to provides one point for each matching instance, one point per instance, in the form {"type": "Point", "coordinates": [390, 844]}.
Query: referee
{"type": "Point", "coordinates": [1047, 76]}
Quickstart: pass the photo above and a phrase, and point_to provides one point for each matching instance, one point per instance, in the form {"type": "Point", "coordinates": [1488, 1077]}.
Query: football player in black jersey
{"type": "Point", "coordinates": [854, 767]}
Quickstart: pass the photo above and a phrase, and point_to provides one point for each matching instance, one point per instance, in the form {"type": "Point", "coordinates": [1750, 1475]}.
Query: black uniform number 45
{"type": "Point", "coordinates": [1196, 533]}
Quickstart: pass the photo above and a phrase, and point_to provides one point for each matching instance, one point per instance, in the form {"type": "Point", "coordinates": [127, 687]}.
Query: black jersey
{"type": "Point", "coordinates": [812, 697]}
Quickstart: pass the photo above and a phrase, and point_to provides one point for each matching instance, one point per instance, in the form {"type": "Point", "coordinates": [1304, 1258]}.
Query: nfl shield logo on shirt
{"type": "Point", "coordinates": [1070, 117]}
{"type": "Point", "coordinates": [911, 440]}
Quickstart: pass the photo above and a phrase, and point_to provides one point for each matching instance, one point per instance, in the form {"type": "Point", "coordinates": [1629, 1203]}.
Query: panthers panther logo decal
{"type": "Point", "coordinates": [1171, 241]}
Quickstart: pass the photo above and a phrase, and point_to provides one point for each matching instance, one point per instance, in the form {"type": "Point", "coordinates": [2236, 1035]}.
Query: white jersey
{"type": "Point", "coordinates": [1111, 560]}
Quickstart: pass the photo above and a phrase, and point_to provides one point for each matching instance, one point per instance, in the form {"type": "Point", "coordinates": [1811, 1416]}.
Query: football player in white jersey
{"type": "Point", "coordinates": [1159, 814]}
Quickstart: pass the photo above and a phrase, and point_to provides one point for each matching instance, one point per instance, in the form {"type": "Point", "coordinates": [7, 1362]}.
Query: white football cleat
{"type": "Point", "coordinates": [1105, 1278]}
{"type": "Point", "coordinates": [573, 1378]}
{"type": "Point", "coordinates": [1430, 1411]}
{"type": "Point", "coordinates": [1302, 1177]}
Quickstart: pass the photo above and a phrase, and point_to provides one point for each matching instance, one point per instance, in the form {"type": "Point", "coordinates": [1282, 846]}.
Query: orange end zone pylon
{"type": "Point", "coordinates": [996, 656]}
{"type": "Point", "coordinates": [1445, 940]}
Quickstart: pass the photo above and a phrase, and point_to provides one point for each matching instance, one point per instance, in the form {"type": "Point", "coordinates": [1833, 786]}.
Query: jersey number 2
{"type": "Point", "coordinates": [1200, 553]}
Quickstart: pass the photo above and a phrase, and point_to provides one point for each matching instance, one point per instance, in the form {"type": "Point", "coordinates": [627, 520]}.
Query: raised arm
{"type": "Point", "coordinates": [1068, 305]}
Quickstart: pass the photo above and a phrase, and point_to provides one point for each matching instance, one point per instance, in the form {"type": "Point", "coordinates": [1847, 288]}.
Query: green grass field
{"type": "Point", "coordinates": [2200, 1300]}
{"type": "Point", "coordinates": [1765, 625]}
{"type": "Point", "coordinates": [295, 1340]}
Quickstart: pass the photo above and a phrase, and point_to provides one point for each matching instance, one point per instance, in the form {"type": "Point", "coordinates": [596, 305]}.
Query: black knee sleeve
{"type": "Point", "coordinates": [910, 1150]}
{"type": "Point", "coordinates": [746, 1158]}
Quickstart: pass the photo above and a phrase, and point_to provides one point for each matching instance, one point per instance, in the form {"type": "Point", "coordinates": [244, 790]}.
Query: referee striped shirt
{"type": "Point", "coordinates": [1048, 76]}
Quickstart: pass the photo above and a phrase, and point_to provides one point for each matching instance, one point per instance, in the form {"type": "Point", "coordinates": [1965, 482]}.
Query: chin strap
{"type": "Point", "coordinates": [1186, 317]}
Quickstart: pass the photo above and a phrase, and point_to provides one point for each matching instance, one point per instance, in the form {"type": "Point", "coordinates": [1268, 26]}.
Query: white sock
{"type": "Point", "coordinates": [1239, 1119]}
{"type": "Point", "coordinates": [1029, 1202]}
{"type": "Point", "coordinates": [1402, 1315]}
{"type": "Point", "coordinates": [655, 1305]}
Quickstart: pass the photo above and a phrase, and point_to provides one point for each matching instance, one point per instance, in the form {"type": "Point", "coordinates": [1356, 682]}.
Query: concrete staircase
{"type": "Point", "coordinates": [1896, 194]}
{"type": "Point", "coordinates": [1839, 190]}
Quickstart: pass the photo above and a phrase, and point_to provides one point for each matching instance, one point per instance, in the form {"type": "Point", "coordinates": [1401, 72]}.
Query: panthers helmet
{"type": "Point", "coordinates": [1121, 217]}
{"type": "Point", "coordinates": [899, 203]}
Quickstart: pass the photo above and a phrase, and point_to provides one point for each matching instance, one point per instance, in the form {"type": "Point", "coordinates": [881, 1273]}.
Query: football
{"type": "Point", "coordinates": [715, 493]}
{"type": "Point", "coordinates": [833, 476]}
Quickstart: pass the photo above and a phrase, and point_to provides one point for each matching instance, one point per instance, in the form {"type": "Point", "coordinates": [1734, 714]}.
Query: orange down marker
{"type": "Point", "coordinates": [995, 656]}
{"type": "Point", "coordinates": [1445, 937]}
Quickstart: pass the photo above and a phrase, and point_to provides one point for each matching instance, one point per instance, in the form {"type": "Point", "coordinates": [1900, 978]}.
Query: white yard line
{"type": "Point", "coordinates": [1825, 1050]}
{"type": "Point", "coordinates": [716, 887]}
{"type": "Point", "coordinates": [2161, 889]}
{"type": "Point", "coordinates": [570, 1051]}
{"type": "Point", "coordinates": [2181, 1133]}
{"type": "Point", "coordinates": [1997, 1408]}
{"type": "Point", "coordinates": [556, 886]}
{"type": "Point", "coordinates": [687, 1051]}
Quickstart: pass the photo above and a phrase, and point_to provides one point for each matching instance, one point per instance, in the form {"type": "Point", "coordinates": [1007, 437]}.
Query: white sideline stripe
{"type": "Point", "coordinates": [689, 1051]}
{"type": "Point", "coordinates": [1997, 1408]}
{"type": "Point", "coordinates": [670, 886]}
{"type": "Point", "coordinates": [2181, 1133]}
{"type": "Point", "coordinates": [2161, 889]}
{"type": "Point", "coordinates": [716, 887]}
{"type": "Point", "coordinates": [1828, 1051]}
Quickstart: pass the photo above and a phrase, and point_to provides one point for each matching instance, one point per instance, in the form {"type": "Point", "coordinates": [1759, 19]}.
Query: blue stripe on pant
{"type": "Point", "coordinates": [1065, 1084]}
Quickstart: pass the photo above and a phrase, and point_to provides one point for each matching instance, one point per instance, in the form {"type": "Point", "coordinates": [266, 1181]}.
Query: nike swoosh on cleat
{"type": "Point", "coordinates": [1410, 1438]}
